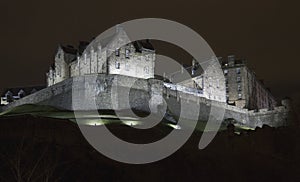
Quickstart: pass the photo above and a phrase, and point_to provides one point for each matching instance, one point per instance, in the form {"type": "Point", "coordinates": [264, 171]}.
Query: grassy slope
{"type": "Point", "coordinates": [266, 154]}
{"type": "Point", "coordinates": [90, 118]}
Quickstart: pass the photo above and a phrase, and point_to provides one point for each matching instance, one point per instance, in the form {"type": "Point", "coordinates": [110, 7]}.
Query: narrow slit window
{"type": "Point", "coordinates": [117, 65]}
{"type": "Point", "coordinates": [127, 53]}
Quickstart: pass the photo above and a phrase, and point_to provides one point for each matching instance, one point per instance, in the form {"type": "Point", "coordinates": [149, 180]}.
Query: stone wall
{"type": "Point", "coordinates": [112, 55]}
{"type": "Point", "coordinates": [279, 116]}
{"type": "Point", "coordinates": [244, 90]}
{"type": "Point", "coordinates": [211, 81]}
{"type": "Point", "coordinates": [111, 92]}
{"type": "Point", "coordinates": [104, 91]}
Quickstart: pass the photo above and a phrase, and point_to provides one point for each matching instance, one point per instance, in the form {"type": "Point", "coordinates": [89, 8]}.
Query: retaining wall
{"type": "Point", "coordinates": [111, 92]}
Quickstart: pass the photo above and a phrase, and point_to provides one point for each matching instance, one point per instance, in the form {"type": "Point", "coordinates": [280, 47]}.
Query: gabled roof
{"type": "Point", "coordinates": [82, 45]}
{"type": "Point", "coordinates": [27, 90]}
{"type": "Point", "coordinates": [143, 44]}
{"type": "Point", "coordinates": [139, 45]}
{"type": "Point", "coordinates": [107, 40]}
{"type": "Point", "coordinates": [69, 49]}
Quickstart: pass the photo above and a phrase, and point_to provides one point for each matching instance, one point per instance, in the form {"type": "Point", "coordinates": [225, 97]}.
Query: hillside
{"type": "Point", "coordinates": [37, 148]}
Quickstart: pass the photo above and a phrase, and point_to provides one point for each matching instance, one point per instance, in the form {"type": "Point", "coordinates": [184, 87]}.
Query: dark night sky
{"type": "Point", "coordinates": [266, 33]}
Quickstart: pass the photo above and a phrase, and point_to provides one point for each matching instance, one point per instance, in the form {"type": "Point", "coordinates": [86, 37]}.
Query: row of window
{"type": "Point", "coordinates": [239, 96]}
{"type": "Point", "coordinates": [239, 88]}
{"type": "Point", "coordinates": [127, 53]}
{"type": "Point", "coordinates": [238, 71]}
{"type": "Point", "coordinates": [238, 80]}
{"type": "Point", "coordinates": [117, 66]}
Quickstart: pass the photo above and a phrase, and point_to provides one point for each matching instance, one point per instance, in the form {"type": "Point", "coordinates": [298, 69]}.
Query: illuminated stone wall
{"type": "Point", "coordinates": [107, 87]}
{"type": "Point", "coordinates": [244, 90]}
{"type": "Point", "coordinates": [211, 82]}
{"type": "Point", "coordinates": [113, 56]}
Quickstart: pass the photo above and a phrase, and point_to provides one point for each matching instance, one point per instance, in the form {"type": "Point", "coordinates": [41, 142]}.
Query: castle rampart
{"type": "Point", "coordinates": [107, 88]}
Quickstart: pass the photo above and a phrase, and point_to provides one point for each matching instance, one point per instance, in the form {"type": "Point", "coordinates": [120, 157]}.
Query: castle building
{"type": "Point", "coordinates": [12, 94]}
{"type": "Point", "coordinates": [243, 89]}
{"type": "Point", "coordinates": [231, 81]}
{"type": "Point", "coordinates": [208, 82]}
{"type": "Point", "coordinates": [224, 83]}
{"type": "Point", "coordinates": [135, 59]}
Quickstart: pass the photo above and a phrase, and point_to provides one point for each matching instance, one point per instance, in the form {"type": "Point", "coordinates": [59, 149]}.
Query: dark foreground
{"type": "Point", "coordinates": [43, 149]}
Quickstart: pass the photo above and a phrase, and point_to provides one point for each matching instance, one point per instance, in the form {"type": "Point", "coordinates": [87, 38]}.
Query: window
{"type": "Point", "coordinates": [127, 68]}
{"type": "Point", "coordinates": [193, 71]}
{"type": "Point", "coordinates": [227, 90]}
{"type": "Point", "coordinates": [239, 87]}
{"type": "Point", "coordinates": [238, 70]}
{"type": "Point", "coordinates": [58, 70]}
{"type": "Point", "coordinates": [240, 96]}
{"type": "Point", "coordinates": [238, 79]}
{"type": "Point", "coordinates": [225, 72]}
{"type": "Point", "coordinates": [117, 52]}
{"type": "Point", "coordinates": [148, 57]}
{"type": "Point", "coordinates": [146, 70]}
{"type": "Point", "coordinates": [127, 52]}
{"type": "Point", "coordinates": [117, 65]}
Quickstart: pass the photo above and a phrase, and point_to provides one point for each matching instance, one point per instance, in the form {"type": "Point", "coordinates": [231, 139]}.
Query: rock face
{"type": "Point", "coordinates": [119, 92]}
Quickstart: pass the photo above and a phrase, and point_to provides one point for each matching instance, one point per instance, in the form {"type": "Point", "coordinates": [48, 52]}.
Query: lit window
{"type": "Point", "coordinates": [240, 96]}
{"type": "Point", "coordinates": [117, 65]}
{"type": "Point", "coordinates": [193, 71]}
{"type": "Point", "coordinates": [239, 87]}
{"type": "Point", "coordinates": [225, 72]}
{"type": "Point", "coordinates": [117, 52]}
{"type": "Point", "coordinates": [127, 52]}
